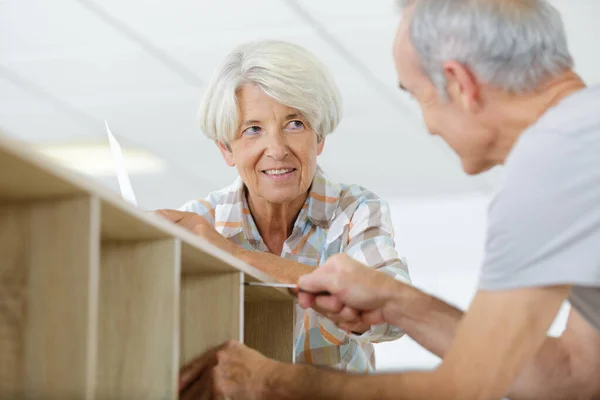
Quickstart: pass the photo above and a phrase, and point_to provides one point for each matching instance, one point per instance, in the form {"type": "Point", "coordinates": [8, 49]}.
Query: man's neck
{"type": "Point", "coordinates": [517, 112]}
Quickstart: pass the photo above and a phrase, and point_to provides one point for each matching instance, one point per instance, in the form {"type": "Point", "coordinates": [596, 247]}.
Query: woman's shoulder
{"type": "Point", "coordinates": [355, 195]}
{"type": "Point", "coordinates": [348, 193]}
{"type": "Point", "coordinates": [346, 198]}
{"type": "Point", "coordinates": [359, 209]}
{"type": "Point", "coordinates": [223, 197]}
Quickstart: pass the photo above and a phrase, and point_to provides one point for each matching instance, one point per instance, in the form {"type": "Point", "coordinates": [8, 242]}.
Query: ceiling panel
{"type": "Point", "coordinates": [142, 66]}
{"type": "Point", "coordinates": [33, 118]}
{"type": "Point", "coordinates": [36, 28]}
{"type": "Point", "coordinates": [182, 21]}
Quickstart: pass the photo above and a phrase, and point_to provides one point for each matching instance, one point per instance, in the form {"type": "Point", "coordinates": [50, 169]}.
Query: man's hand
{"type": "Point", "coordinates": [196, 224]}
{"type": "Point", "coordinates": [358, 294]}
{"type": "Point", "coordinates": [231, 370]}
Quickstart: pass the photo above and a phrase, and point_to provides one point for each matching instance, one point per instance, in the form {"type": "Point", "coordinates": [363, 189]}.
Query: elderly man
{"type": "Point", "coordinates": [494, 79]}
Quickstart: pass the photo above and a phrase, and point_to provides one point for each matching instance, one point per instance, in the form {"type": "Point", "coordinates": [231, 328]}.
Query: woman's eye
{"type": "Point", "coordinates": [253, 130]}
{"type": "Point", "coordinates": [295, 125]}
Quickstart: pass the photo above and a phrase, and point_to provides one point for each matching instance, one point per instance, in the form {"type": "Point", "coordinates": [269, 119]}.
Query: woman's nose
{"type": "Point", "coordinates": [276, 147]}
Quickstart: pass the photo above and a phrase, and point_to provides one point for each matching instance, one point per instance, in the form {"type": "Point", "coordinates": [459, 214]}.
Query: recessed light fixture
{"type": "Point", "coordinates": [95, 159]}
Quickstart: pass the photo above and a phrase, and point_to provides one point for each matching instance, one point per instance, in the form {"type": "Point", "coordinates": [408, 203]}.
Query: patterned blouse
{"type": "Point", "coordinates": [335, 218]}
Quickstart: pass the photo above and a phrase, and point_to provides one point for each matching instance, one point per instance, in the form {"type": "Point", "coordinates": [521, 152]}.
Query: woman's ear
{"type": "Point", "coordinates": [226, 152]}
{"type": "Point", "coordinates": [320, 146]}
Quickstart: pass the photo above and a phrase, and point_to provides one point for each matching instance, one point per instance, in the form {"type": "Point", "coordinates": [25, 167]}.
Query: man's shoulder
{"type": "Point", "coordinates": [566, 137]}
{"type": "Point", "coordinates": [578, 112]}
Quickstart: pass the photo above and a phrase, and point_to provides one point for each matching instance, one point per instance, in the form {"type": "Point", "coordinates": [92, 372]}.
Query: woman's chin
{"type": "Point", "coordinates": [279, 196]}
{"type": "Point", "coordinates": [280, 199]}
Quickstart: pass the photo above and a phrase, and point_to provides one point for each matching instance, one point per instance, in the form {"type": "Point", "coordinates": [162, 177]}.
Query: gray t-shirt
{"type": "Point", "coordinates": [544, 223]}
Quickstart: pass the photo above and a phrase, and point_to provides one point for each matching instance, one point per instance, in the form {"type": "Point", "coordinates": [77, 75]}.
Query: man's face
{"type": "Point", "coordinates": [450, 118]}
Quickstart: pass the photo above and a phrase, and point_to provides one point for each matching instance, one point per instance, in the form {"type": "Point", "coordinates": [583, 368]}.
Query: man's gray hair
{"type": "Point", "coordinates": [284, 71]}
{"type": "Point", "coordinates": [514, 45]}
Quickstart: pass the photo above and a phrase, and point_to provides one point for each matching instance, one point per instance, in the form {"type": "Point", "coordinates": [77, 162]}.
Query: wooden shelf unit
{"type": "Point", "coordinates": [100, 300]}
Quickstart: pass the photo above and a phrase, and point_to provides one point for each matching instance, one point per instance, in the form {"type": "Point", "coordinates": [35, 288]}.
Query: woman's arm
{"type": "Point", "coordinates": [281, 269]}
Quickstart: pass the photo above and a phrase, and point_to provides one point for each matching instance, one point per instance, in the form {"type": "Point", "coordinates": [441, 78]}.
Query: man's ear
{"type": "Point", "coordinates": [226, 153]}
{"type": "Point", "coordinates": [462, 86]}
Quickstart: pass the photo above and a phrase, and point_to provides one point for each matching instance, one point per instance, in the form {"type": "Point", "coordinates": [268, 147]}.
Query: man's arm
{"type": "Point", "coordinates": [433, 323]}
{"type": "Point", "coordinates": [567, 367]}
{"type": "Point", "coordinates": [499, 335]}
{"type": "Point", "coordinates": [305, 382]}
{"type": "Point", "coordinates": [428, 320]}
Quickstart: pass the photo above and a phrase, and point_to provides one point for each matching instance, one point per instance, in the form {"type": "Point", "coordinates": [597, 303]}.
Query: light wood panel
{"type": "Point", "coordinates": [14, 271]}
{"type": "Point", "coordinates": [48, 297]}
{"type": "Point", "coordinates": [96, 295]}
{"type": "Point", "coordinates": [269, 328]}
{"type": "Point", "coordinates": [29, 177]}
{"type": "Point", "coordinates": [33, 176]}
{"type": "Point", "coordinates": [265, 293]}
{"type": "Point", "coordinates": [211, 312]}
{"type": "Point", "coordinates": [139, 320]}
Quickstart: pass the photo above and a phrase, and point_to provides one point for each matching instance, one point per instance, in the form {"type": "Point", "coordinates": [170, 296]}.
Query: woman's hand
{"type": "Point", "coordinates": [196, 224]}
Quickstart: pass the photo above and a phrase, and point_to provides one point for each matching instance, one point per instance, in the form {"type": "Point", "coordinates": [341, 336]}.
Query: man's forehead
{"type": "Point", "coordinates": [403, 4]}
{"type": "Point", "coordinates": [406, 60]}
{"type": "Point", "coordinates": [403, 31]}
{"type": "Point", "coordinates": [403, 47]}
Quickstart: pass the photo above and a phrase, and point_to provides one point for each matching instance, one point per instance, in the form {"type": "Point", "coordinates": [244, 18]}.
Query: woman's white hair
{"type": "Point", "coordinates": [514, 45]}
{"type": "Point", "coordinates": [284, 71]}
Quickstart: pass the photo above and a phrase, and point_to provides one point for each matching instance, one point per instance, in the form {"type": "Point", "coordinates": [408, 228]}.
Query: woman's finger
{"type": "Point", "coordinates": [171, 215]}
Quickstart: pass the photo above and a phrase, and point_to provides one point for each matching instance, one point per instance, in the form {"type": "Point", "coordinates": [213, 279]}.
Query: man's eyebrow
{"type": "Point", "coordinates": [402, 87]}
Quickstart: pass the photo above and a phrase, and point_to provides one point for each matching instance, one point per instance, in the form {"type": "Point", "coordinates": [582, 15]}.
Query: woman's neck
{"type": "Point", "coordinates": [275, 221]}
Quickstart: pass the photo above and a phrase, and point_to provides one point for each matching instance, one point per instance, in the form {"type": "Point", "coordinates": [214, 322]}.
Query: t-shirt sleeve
{"type": "Point", "coordinates": [544, 223]}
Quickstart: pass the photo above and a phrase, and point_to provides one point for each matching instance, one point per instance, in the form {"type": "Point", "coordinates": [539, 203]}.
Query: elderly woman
{"type": "Point", "coordinates": [269, 109]}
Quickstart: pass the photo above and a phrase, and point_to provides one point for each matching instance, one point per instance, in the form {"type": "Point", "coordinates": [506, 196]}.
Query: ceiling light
{"type": "Point", "coordinates": [95, 159]}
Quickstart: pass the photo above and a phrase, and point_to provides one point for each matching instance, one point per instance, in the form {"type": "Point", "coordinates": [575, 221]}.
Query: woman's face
{"type": "Point", "coordinates": [275, 150]}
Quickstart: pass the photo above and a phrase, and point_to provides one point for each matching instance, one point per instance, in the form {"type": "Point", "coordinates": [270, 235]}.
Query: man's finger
{"type": "Point", "coordinates": [374, 317]}
{"type": "Point", "coordinates": [306, 300]}
{"type": "Point", "coordinates": [318, 281]}
{"type": "Point", "coordinates": [330, 304]}
{"type": "Point", "coordinates": [193, 370]}
{"type": "Point", "coordinates": [349, 314]}
{"type": "Point", "coordinates": [200, 389]}
{"type": "Point", "coordinates": [346, 326]}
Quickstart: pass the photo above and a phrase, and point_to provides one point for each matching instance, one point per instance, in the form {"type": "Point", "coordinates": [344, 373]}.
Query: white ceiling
{"type": "Point", "coordinates": [67, 65]}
